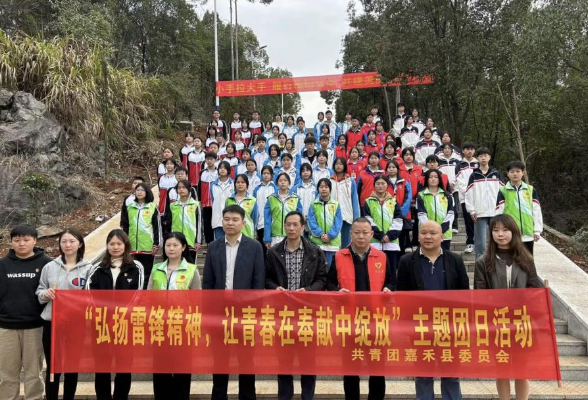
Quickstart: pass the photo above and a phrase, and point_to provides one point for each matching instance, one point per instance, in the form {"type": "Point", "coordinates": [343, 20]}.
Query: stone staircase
{"type": "Point", "coordinates": [572, 351]}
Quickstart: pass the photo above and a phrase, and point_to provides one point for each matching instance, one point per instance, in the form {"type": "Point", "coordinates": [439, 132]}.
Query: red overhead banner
{"type": "Point", "coordinates": [473, 334]}
{"type": "Point", "coordinates": [361, 80]}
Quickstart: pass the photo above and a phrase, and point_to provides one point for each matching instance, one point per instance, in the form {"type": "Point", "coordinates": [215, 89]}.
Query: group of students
{"type": "Point", "coordinates": [393, 179]}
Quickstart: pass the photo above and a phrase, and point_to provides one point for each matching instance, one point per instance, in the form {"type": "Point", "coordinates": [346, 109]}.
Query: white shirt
{"type": "Point", "coordinates": [231, 253]}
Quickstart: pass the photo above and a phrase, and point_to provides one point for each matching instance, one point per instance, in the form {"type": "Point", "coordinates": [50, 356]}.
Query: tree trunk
{"type": "Point", "coordinates": [517, 126]}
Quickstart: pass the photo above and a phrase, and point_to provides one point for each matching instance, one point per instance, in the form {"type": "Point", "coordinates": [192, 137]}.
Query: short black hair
{"type": "Point", "coordinates": [284, 174]}
{"type": "Point", "coordinates": [295, 212]}
{"type": "Point", "coordinates": [484, 150]}
{"type": "Point", "coordinates": [245, 179]}
{"type": "Point", "coordinates": [326, 181]}
{"type": "Point", "coordinates": [286, 155]}
{"type": "Point", "coordinates": [329, 112]}
{"type": "Point", "coordinates": [309, 139]}
{"type": "Point", "coordinates": [210, 154]}
{"type": "Point", "coordinates": [432, 157]}
{"type": "Point", "coordinates": [324, 137]}
{"type": "Point", "coordinates": [148, 192]}
{"type": "Point", "coordinates": [23, 230]}
{"type": "Point", "coordinates": [261, 139]}
{"type": "Point", "coordinates": [178, 169]}
{"type": "Point", "coordinates": [234, 208]}
{"type": "Point", "coordinates": [268, 168]}
{"type": "Point", "coordinates": [342, 161]}
{"type": "Point", "coordinates": [513, 164]}
{"type": "Point", "coordinates": [408, 150]}
{"type": "Point", "coordinates": [138, 178]}
{"type": "Point", "coordinates": [361, 220]}
{"type": "Point", "coordinates": [468, 145]}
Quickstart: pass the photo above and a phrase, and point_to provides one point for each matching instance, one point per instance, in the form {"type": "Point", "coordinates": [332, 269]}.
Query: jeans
{"type": "Point", "coordinates": [329, 256]}
{"type": "Point", "coordinates": [481, 235]}
{"type": "Point", "coordinates": [345, 234]}
{"type": "Point", "coordinates": [450, 389]}
{"type": "Point", "coordinates": [286, 387]}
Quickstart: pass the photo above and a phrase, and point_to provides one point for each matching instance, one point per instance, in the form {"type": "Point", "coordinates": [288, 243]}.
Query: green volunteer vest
{"type": "Point", "coordinates": [184, 219]}
{"type": "Point", "coordinates": [437, 207]}
{"type": "Point", "coordinates": [183, 278]}
{"type": "Point", "coordinates": [519, 205]}
{"type": "Point", "coordinates": [325, 217]}
{"type": "Point", "coordinates": [246, 204]}
{"type": "Point", "coordinates": [279, 210]}
{"type": "Point", "coordinates": [382, 214]}
{"type": "Point", "coordinates": [141, 232]}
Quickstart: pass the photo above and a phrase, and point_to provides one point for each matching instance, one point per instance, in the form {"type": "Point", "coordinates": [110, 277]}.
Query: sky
{"type": "Point", "coordinates": [303, 36]}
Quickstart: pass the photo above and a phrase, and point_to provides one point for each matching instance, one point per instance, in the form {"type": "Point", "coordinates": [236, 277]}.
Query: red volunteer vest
{"type": "Point", "coordinates": [376, 264]}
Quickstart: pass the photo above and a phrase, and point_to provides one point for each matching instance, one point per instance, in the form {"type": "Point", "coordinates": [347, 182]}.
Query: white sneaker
{"type": "Point", "coordinates": [469, 248]}
{"type": "Point", "coordinates": [455, 230]}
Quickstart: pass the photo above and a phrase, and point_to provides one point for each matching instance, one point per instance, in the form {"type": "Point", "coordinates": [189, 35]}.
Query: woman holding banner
{"type": "Point", "coordinates": [117, 271]}
{"type": "Point", "coordinates": [69, 271]}
{"type": "Point", "coordinates": [506, 264]}
{"type": "Point", "coordinates": [175, 273]}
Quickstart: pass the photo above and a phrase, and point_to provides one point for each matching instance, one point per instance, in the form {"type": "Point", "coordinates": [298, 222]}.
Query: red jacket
{"type": "Point", "coordinates": [341, 152]}
{"type": "Point", "coordinates": [353, 137]}
{"type": "Point", "coordinates": [365, 185]}
{"type": "Point", "coordinates": [355, 168]}
{"type": "Point", "coordinates": [412, 176]}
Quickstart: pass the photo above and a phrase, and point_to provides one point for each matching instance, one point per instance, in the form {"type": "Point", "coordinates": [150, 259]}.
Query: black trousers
{"type": "Point", "coordinates": [415, 227]}
{"type": "Point", "coordinates": [260, 240]}
{"type": "Point", "coordinates": [286, 387]}
{"type": "Point", "coordinates": [220, 384]}
{"type": "Point", "coordinates": [456, 210]}
{"type": "Point", "coordinates": [207, 224]}
{"type": "Point", "coordinates": [377, 385]}
{"type": "Point", "coordinates": [146, 261]}
{"type": "Point", "coordinates": [529, 245]}
{"type": "Point", "coordinates": [122, 386]}
{"type": "Point", "coordinates": [469, 223]}
{"type": "Point", "coordinates": [70, 381]}
{"type": "Point", "coordinates": [393, 259]}
{"type": "Point", "coordinates": [171, 386]}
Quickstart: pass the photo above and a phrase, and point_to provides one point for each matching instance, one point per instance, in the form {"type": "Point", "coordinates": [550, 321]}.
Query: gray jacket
{"type": "Point", "coordinates": [55, 276]}
{"type": "Point", "coordinates": [520, 279]}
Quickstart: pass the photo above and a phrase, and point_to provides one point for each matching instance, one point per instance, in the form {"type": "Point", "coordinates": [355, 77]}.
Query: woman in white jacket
{"type": "Point", "coordinates": [345, 192]}
{"type": "Point", "coordinates": [67, 272]}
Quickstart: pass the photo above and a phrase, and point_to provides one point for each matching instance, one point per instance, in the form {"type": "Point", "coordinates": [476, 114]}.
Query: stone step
{"type": "Point", "coordinates": [570, 346]}
{"type": "Point", "coordinates": [333, 390]}
{"type": "Point", "coordinates": [561, 326]}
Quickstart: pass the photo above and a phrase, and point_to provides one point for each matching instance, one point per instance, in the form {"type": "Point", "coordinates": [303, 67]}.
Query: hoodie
{"type": "Point", "coordinates": [56, 276]}
{"type": "Point", "coordinates": [19, 279]}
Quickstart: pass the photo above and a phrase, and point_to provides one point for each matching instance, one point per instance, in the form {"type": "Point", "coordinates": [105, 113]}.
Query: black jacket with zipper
{"type": "Point", "coordinates": [314, 267]}
{"type": "Point", "coordinates": [131, 277]}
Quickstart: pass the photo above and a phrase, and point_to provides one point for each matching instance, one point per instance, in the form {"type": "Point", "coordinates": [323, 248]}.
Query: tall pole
{"type": "Point", "coordinates": [217, 102]}
{"type": "Point", "coordinates": [254, 76]}
{"type": "Point", "coordinates": [397, 98]}
{"type": "Point", "coordinates": [282, 105]}
{"type": "Point", "coordinates": [232, 48]}
{"type": "Point", "coordinates": [236, 43]}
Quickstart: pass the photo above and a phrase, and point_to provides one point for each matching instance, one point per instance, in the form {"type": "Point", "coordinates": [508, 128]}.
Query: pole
{"type": "Point", "coordinates": [236, 43]}
{"type": "Point", "coordinates": [388, 109]}
{"type": "Point", "coordinates": [217, 100]}
{"type": "Point", "coordinates": [254, 77]}
{"type": "Point", "coordinates": [232, 48]}
{"type": "Point", "coordinates": [397, 97]}
{"type": "Point", "coordinates": [282, 105]}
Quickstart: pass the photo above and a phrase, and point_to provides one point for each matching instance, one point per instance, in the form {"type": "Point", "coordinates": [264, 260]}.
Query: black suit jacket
{"type": "Point", "coordinates": [314, 267]}
{"type": "Point", "coordinates": [410, 274]}
{"type": "Point", "coordinates": [249, 265]}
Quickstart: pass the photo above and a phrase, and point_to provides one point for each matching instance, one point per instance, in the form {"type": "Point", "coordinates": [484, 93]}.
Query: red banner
{"type": "Point", "coordinates": [362, 80]}
{"type": "Point", "coordinates": [474, 334]}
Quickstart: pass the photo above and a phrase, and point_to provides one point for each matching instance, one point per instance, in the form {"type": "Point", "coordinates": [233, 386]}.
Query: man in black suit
{"type": "Point", "coordinates": [295, 264]}
{"type": "Point", "coordinates": [225, 273]}
{"type": "Point", "coordinates": [432, 268]}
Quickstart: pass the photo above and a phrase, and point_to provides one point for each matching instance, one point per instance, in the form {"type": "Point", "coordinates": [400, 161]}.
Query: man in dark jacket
{"type": "Point", "coordinates": [295, 264]}
{"type": "Point", "coordinates": [20, 317]}
{"type": "Point", "coordinates": [222, 271]}
{"type": "Point", "coordinates": [432, 268]}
